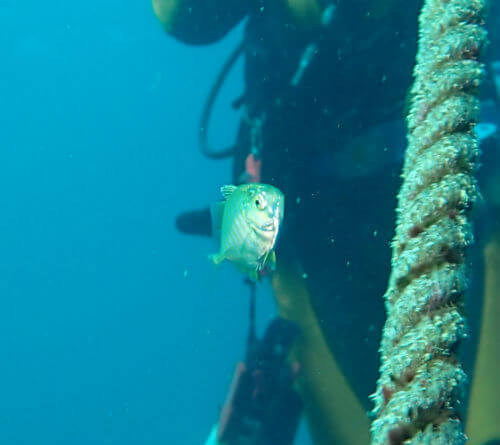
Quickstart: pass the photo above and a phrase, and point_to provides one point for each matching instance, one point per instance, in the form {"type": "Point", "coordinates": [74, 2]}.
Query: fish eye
{"type": "Point", "coordinates": [259, 203]}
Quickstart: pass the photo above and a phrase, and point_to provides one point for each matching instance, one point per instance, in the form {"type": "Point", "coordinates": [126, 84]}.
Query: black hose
{"type": "Point", "coordinates": [207, 109]}
{"type": "Point", "coordinates": [252, 335]}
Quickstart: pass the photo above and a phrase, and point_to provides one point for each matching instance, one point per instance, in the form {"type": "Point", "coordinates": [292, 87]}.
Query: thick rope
{"type": "Point", "coordinates": [421, 381]}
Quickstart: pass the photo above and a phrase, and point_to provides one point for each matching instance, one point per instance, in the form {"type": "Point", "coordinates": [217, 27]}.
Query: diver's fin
{"type": "Point", "coordinates": [195, 222]}
{"type": "Point", "coordinates": [271, 260]}
{"type": "Point", "coordinates": [216, 214]}
{"type": "Point", "coordinates": [253, 275]}
{"type": "Point", "coordinates": [217, 258]}
{"type": "Point", "coordinates": [227, 190]}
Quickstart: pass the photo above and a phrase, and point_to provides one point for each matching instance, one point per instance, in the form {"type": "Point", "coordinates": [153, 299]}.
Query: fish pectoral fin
{"type": "Point", "coordinates": [217, 258]}
{"type": "Point", "coordinates": [253, 275]}
{"type": "Point", "coordinates": [271, 260]}
{"type": "Point", "coordinates": [227, 190]}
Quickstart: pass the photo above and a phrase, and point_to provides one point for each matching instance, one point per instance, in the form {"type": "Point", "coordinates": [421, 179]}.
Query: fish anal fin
{"type": "Point", "coordinates": [227, 190]}
{"type": "Point", "coordinates": [217, 258]}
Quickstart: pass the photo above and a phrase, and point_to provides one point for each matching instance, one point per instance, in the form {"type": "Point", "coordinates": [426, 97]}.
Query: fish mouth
{"type": "Point", "coordinates": [268, 226]}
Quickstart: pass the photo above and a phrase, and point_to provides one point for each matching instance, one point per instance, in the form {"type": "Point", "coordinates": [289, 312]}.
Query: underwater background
{"type": "Point", "coordinates": [114, 328]}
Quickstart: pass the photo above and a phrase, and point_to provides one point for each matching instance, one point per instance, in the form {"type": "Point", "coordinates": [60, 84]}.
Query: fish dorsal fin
{"type": "Point", "coordinates": [227, 190]}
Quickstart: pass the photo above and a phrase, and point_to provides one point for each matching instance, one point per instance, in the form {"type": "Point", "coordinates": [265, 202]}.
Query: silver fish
{"type": "Point", "coordinates": [248, 221]}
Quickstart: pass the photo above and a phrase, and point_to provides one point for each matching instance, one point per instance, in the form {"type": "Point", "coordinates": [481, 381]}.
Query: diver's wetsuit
{"type": "Point", "coordinates": [339, 229]}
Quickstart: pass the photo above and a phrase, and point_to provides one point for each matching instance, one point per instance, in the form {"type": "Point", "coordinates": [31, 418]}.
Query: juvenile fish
{"type": "Point", "coordinates": [248, 220]}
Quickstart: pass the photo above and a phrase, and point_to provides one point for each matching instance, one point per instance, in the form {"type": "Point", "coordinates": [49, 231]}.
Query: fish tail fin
{"type": "Point", "coordinates": [216, 215]}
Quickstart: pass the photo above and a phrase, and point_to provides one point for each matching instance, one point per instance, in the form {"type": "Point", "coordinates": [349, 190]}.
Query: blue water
{"type": "Point", "coordinates": [113, 327]}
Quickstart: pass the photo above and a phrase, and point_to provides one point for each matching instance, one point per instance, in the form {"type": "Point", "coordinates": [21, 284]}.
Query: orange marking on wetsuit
{"type": "Point", "coordinates": [253, 168]}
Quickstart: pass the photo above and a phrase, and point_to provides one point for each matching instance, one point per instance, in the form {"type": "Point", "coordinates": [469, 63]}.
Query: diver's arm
{"type": "Point", "coordinates": [483, 421]}
{"type": "Point", "coordinates": [332, 409]}
{"type": "Point", "coordinates": [200, 21]}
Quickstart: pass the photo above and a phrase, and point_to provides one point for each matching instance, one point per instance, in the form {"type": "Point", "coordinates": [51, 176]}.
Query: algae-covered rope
{"type": "Point", "coordinates": [421, 381]}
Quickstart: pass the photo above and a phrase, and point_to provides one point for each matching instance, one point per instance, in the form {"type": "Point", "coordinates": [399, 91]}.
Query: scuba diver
{"type": "Point", "coordinates": [323, 121]}
{"type": "Point", "coordinates": [262, 407]}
